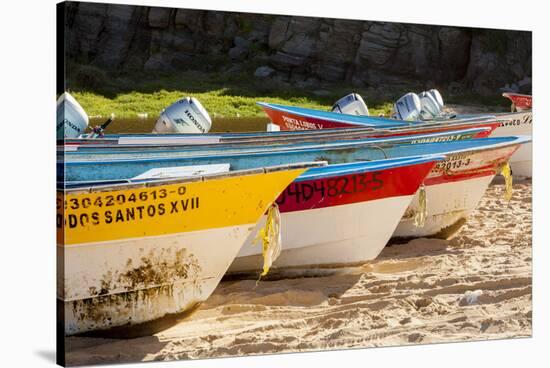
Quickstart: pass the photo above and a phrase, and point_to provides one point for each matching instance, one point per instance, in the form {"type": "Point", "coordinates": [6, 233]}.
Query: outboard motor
{"type": "Point", "coordinates": [432, 104]}
{"type": "Point", "coordinates": [407, 107]}
{"type": "Point", "coordinates": [429, 107]}
{"type": "Point", "coordinates": [437, 97]}
{"type": "Point", "coordinates": [72, 120]}
{"type": "Point", "coordinates": [351, 104]}
{"type": "Point", "coordinates": [184, 116]}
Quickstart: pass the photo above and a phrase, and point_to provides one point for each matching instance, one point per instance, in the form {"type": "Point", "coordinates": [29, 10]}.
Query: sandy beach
{"type": "Point", "coordinates": [475, 286]}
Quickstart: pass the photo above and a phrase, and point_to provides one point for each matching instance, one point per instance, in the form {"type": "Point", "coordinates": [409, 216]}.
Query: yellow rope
{"type": "Point", "coordinates": [270, 237]}
{"type": "Point", "coordinates": [422, 213]}
{"type": "Point", "coordinates": [506, 171]}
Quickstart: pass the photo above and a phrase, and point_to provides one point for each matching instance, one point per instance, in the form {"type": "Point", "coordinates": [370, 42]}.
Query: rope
{"type": "Point", "coordinates": [270, 236]}
{"type": "Point", "coordinates": [422, 213]}
{"type": "Point", "coordinates": [506, 171]}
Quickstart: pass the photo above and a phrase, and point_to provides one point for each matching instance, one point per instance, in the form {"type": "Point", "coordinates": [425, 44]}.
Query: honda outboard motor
{"type": "Point", "coordinates": [351, 104]}
{"type": "Point", "coordinates": [184, 116]}
{"type": "Point", "coordinates": [71, 120]}
{"type": "Point", "coordinates": [407, 107]}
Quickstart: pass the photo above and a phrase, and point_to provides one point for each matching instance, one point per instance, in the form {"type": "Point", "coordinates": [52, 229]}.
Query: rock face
{"type": "Point", "coordinates": [264, 72]}
{"type": "Point", "coordinates": [299, 50]}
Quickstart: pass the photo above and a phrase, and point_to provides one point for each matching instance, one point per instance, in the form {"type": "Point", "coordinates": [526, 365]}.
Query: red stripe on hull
{"type": "Point", "coordinates": [469, 165]}
{"type": "Point", "coordinates": [354, 188]}
{"type": "Point", "coordinates": [288, 121]}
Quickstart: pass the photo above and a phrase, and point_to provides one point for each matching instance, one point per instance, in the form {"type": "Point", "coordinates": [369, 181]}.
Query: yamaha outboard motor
{"type": "Point", "coordinates": [437, 97]}
{"type": "Point", "coordinates": [407, 107]}
{"type": "Point", "coordinates": [351, 104]}
{"type": "Point", "coordinates": [430, 108]}
{"type": "Point", "coordinates": [432, 104]}
{"type": "Point", "coordinates": [72, 120]}
{"type": "Point", "coordinates": [184, 116]}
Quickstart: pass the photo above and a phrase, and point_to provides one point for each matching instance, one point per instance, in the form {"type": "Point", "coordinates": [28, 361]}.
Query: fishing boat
{"type": "Point", "coordinates": [454, 188]}
{"type": "Point", "coordinates": [164, 144]}
{"type": "Point", "coordinates": [518, 123]}
{"type": "Point", "coordinates": [520, 102]}
{"type": "Point", "coordinates": [502, 125]}
{"type": "Point", "coordinates": [130, 255]}
{"type": "Point", "coordinates": [509, 124]}
{"type": "Point", "coordinates": [429, 107]}
{"type": "Point", "coordinates": [341, 214]}
{"type": "Point", "coordinates": [263, 137]}
{"type": "Point", "coordinates": [150, 144]}
{"type": "Point", "coordinates": [452, 191]}
{"type": "Point", "coordinates": [300, 118]}
{"type": "Point", "coordinates": [116, 164]}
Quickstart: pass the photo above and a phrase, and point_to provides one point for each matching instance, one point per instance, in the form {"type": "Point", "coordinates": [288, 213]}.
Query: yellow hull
{"type": "Point", "coordinates": [131, 254]}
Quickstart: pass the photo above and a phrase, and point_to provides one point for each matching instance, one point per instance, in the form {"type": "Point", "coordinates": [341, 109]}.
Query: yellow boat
{"type": "Point", "coordinates": [131, 254]}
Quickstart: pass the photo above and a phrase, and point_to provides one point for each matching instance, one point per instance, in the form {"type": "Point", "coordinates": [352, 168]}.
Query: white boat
{"type": "Point", "coordinates": [518, 123]}
{"type": "Point", "coordinates": [345, 216]}
{"type": "Point", "coordinates": [453, 190]}
{"type": "Point", "coordinates": [428, 106]}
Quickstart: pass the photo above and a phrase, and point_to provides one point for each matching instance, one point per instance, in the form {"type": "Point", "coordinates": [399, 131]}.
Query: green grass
{"type": "Point", "coordinates": [222, 94]}
{"type": "Point", "coordinates": [216, 102]}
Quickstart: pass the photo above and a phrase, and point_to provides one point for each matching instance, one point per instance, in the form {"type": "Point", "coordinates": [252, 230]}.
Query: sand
{"type": "Point", "coordinates": [475, 286]}
{"type": "Point", "coordinates": [470, 109]}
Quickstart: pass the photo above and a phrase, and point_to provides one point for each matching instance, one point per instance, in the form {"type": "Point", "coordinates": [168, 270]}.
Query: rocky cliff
{"type": "Point", "coordinates": [298, 50]}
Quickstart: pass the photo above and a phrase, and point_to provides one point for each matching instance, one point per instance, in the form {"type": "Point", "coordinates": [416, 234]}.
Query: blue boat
{"type": "Point", "coordinates": [150, 151]}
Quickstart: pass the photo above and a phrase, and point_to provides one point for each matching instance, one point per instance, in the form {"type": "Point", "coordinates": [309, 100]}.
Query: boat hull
{"type": "Point", "coordinates": [342, 219]}
{"type": "Point", "coordinates": [520, 123]}
{"type": "Point", "coordinates": [448, 205]}
{"type": "Point", "coordinates": [453, 188]}
{"type": "Point", "coordinates": [138, 280]}
{"type": "Point", "coordinates": [330, 236]}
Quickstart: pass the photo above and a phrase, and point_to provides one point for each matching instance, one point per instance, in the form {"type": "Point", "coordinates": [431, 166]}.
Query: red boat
{"type": "Point", "coordinates": [299, 118]}
{"type": "Point", "coordinates": [519, 102]}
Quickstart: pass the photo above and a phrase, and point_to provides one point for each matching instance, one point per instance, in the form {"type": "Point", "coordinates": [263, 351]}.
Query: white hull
{"type": "Point", "coordinates": [448, 205]}
{"type": "Point", "coordinates": [109, 284]}
{"type": "Point", "coordinates": [343, 234]}
{"type": "Point", "coordinates": [521, 162]}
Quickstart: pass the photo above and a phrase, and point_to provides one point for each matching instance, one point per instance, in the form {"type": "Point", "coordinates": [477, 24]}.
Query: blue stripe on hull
{"type": "Point", "coordinates": [133, 166]}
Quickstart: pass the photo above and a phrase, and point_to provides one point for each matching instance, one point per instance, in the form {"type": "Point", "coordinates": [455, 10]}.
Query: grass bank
{"type": "Point", "coordinates": [222, 94]}
{"type": "Point", "coordinates": [217, 102]}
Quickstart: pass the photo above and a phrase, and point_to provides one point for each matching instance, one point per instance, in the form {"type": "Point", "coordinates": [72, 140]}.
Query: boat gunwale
{"type": "Point", "coordinates": [191, 179]}
{"type": "Point", "coordinates": [369, 166]}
